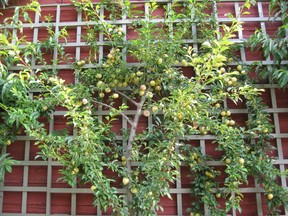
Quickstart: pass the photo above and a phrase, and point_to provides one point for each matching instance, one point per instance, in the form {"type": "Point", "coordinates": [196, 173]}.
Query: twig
{"type": "Point", "coordinates": [110, 107]}
{"type": "Point", "coordinates": [128, 98]}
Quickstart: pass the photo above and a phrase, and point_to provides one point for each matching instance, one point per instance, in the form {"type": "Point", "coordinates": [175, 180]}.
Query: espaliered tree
{"type": "Point", "coordinates": [180, 107]}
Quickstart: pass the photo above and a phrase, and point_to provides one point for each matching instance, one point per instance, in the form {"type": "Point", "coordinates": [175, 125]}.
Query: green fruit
{"type": "Point", "coordinates": [270, 196]}
{"type": "Point", "coordinates": [141, 93]}
{"type": "Point", "coordinates": [115, 96]}
{"type": "Point", "coordinates": [241, 161]}
{"type": "Point", "coordinates": [227, 160]}
{"type": "Point", "coordinates": [154, 109]}
{"type": "Point", "coordinates": [139, 73]}
{"type": "Point", "coordinates": [149, 95]}
{"type": "Point", "coordinates": [222, 70]}
{"type": "Point", "coordinates": [101, 95]}
{"type": "Point", "coordinates": [184, 63]}
{"type": "Point", "coordinates": [231, 122]}
{"type": "Point", "coordinates": [125, 181]}
{"type": "Point", "coordinates": [234, 79]}
{"type": "Point", "coordinates": [136, 80]}
{"type": "Point", "coordinates": [99, 84]}
{"type": "Point", "coordinates": [134, 190]}
{"type": "Point", "coordinates": [107, 90]}
{"type": "Point", "coordinates": [76, 169]}
{"type": "Point", "coordinates": [158, 88]}
{"type": "Point", "coordinates": [152, 83]}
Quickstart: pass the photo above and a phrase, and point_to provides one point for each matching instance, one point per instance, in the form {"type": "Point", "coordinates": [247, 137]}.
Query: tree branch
{"type": "Point", "coordinates": [129, 145]}
{"type": "Point", "coordinates": [128, 98]}
{"type": "Point", "coordinates": [134, 126]}
{"type": "Point", "coordinates": [110, 107]}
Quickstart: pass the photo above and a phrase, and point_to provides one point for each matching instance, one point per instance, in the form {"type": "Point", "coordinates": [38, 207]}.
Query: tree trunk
{"type": "Point", "coordinates": [129, 149]}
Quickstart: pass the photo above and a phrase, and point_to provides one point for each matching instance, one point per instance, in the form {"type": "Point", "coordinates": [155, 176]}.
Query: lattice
{"type": "Point", "coordinates": [32, 187]}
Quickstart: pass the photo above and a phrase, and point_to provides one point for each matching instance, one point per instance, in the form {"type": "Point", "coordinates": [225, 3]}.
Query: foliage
{"type": "Point", "coordinates": [14, 86]}
{"type": "Point", "coordinates": [274, 46]}
{"type": "Point", "coordinates": [179, 106]}
{"type": "Point", "coordinates": [4, 3]}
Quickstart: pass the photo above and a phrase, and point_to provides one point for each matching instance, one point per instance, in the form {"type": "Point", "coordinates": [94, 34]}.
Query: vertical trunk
{"type": "Point", "coordinates": [129, 148]}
